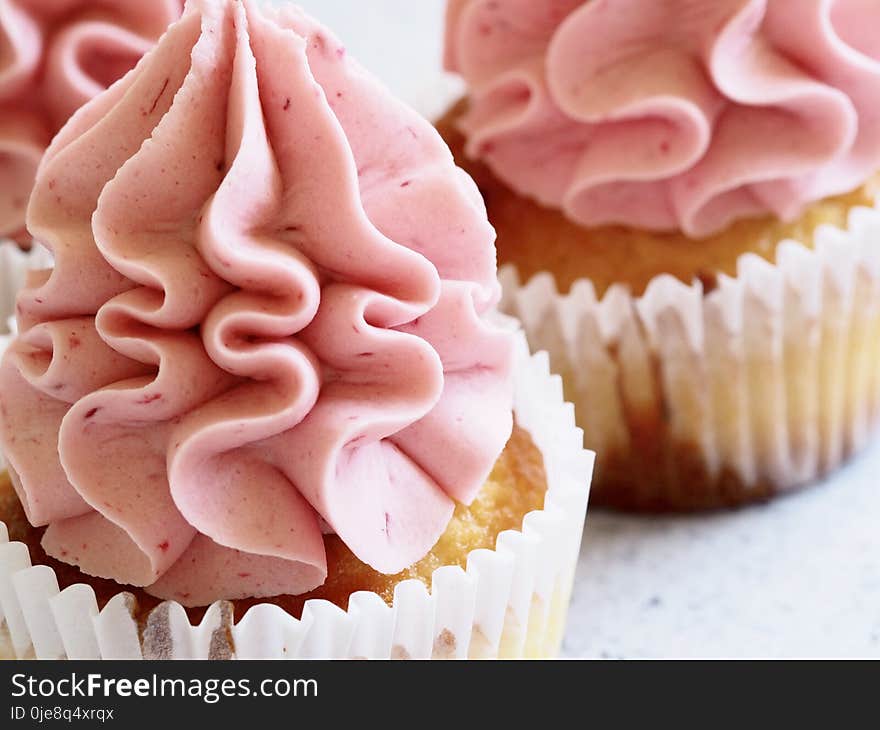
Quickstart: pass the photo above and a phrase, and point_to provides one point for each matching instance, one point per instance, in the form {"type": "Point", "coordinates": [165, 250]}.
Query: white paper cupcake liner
{"type": "Point", "coordinates": [766, 383]}
{"type": "Point", "coordinates": [508, 602]}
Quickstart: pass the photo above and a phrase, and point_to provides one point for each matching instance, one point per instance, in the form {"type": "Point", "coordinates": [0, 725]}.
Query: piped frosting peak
{"type": "Point", "coordinates": [267, 317]}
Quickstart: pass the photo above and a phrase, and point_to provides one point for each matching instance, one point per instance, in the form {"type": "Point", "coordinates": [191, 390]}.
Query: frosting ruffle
{"type": "Point", "coordinates": [55, 55]}
{"type": "Point", "coordinates": [266, 315]}
{"type": "Point", "coordinates": [674, 115]}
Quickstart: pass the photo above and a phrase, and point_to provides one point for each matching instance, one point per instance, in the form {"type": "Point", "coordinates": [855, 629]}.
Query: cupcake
{"type": "Point", "coordinates": [685, 201]}
{"type": "Point", "coordinates": [261, 404]}
{"type": "Point", "coordinates": [54, 56]}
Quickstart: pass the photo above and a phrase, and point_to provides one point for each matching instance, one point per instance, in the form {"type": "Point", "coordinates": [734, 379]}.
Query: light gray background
{"type": "Point", "coordinates": [799, 577]}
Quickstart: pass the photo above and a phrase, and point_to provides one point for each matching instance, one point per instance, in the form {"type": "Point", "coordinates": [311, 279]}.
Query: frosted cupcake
{"type": "Point", "coordinates": [54, 56]}
{"type": "Point", "coordinates": [687, 191]}
{"type": "Point", "coordinates": [260, 391]}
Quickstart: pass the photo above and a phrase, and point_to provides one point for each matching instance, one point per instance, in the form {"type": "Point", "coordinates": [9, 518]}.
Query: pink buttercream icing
{"type": "Point", "coordinates": [267, 317]}
{"type": "Point", "coordinates": [671, 114]}
{"type": "Point", "coordinates": [55, 55]}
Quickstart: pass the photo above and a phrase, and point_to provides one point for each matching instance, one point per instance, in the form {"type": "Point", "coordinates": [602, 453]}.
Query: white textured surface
{"type": "Point", "coordinates": [797, 577]}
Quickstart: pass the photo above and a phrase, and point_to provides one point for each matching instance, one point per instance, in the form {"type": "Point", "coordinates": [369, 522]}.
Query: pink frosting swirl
{"type": "Point", "coordinates": [671, 114]}
{"type": "Point", "coordinates": [267, 316]}
{"type": "Point", "coordinates": [55, 55]}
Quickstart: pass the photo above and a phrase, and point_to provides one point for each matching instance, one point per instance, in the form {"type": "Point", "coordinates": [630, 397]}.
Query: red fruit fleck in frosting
{"type": "Point", "coordinates": [231, 240]}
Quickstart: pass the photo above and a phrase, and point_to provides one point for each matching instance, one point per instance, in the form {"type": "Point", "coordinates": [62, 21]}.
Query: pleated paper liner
{"type": "Point", "coordinates": [696, 399]}
{"type": "Point", "coordinates": [509, 602]}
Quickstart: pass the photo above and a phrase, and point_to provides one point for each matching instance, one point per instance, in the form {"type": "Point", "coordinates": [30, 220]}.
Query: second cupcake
{"type": "Point", "coordinates": [687, 191]}
{"type": "Point", "coordinates": [54, 57]}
